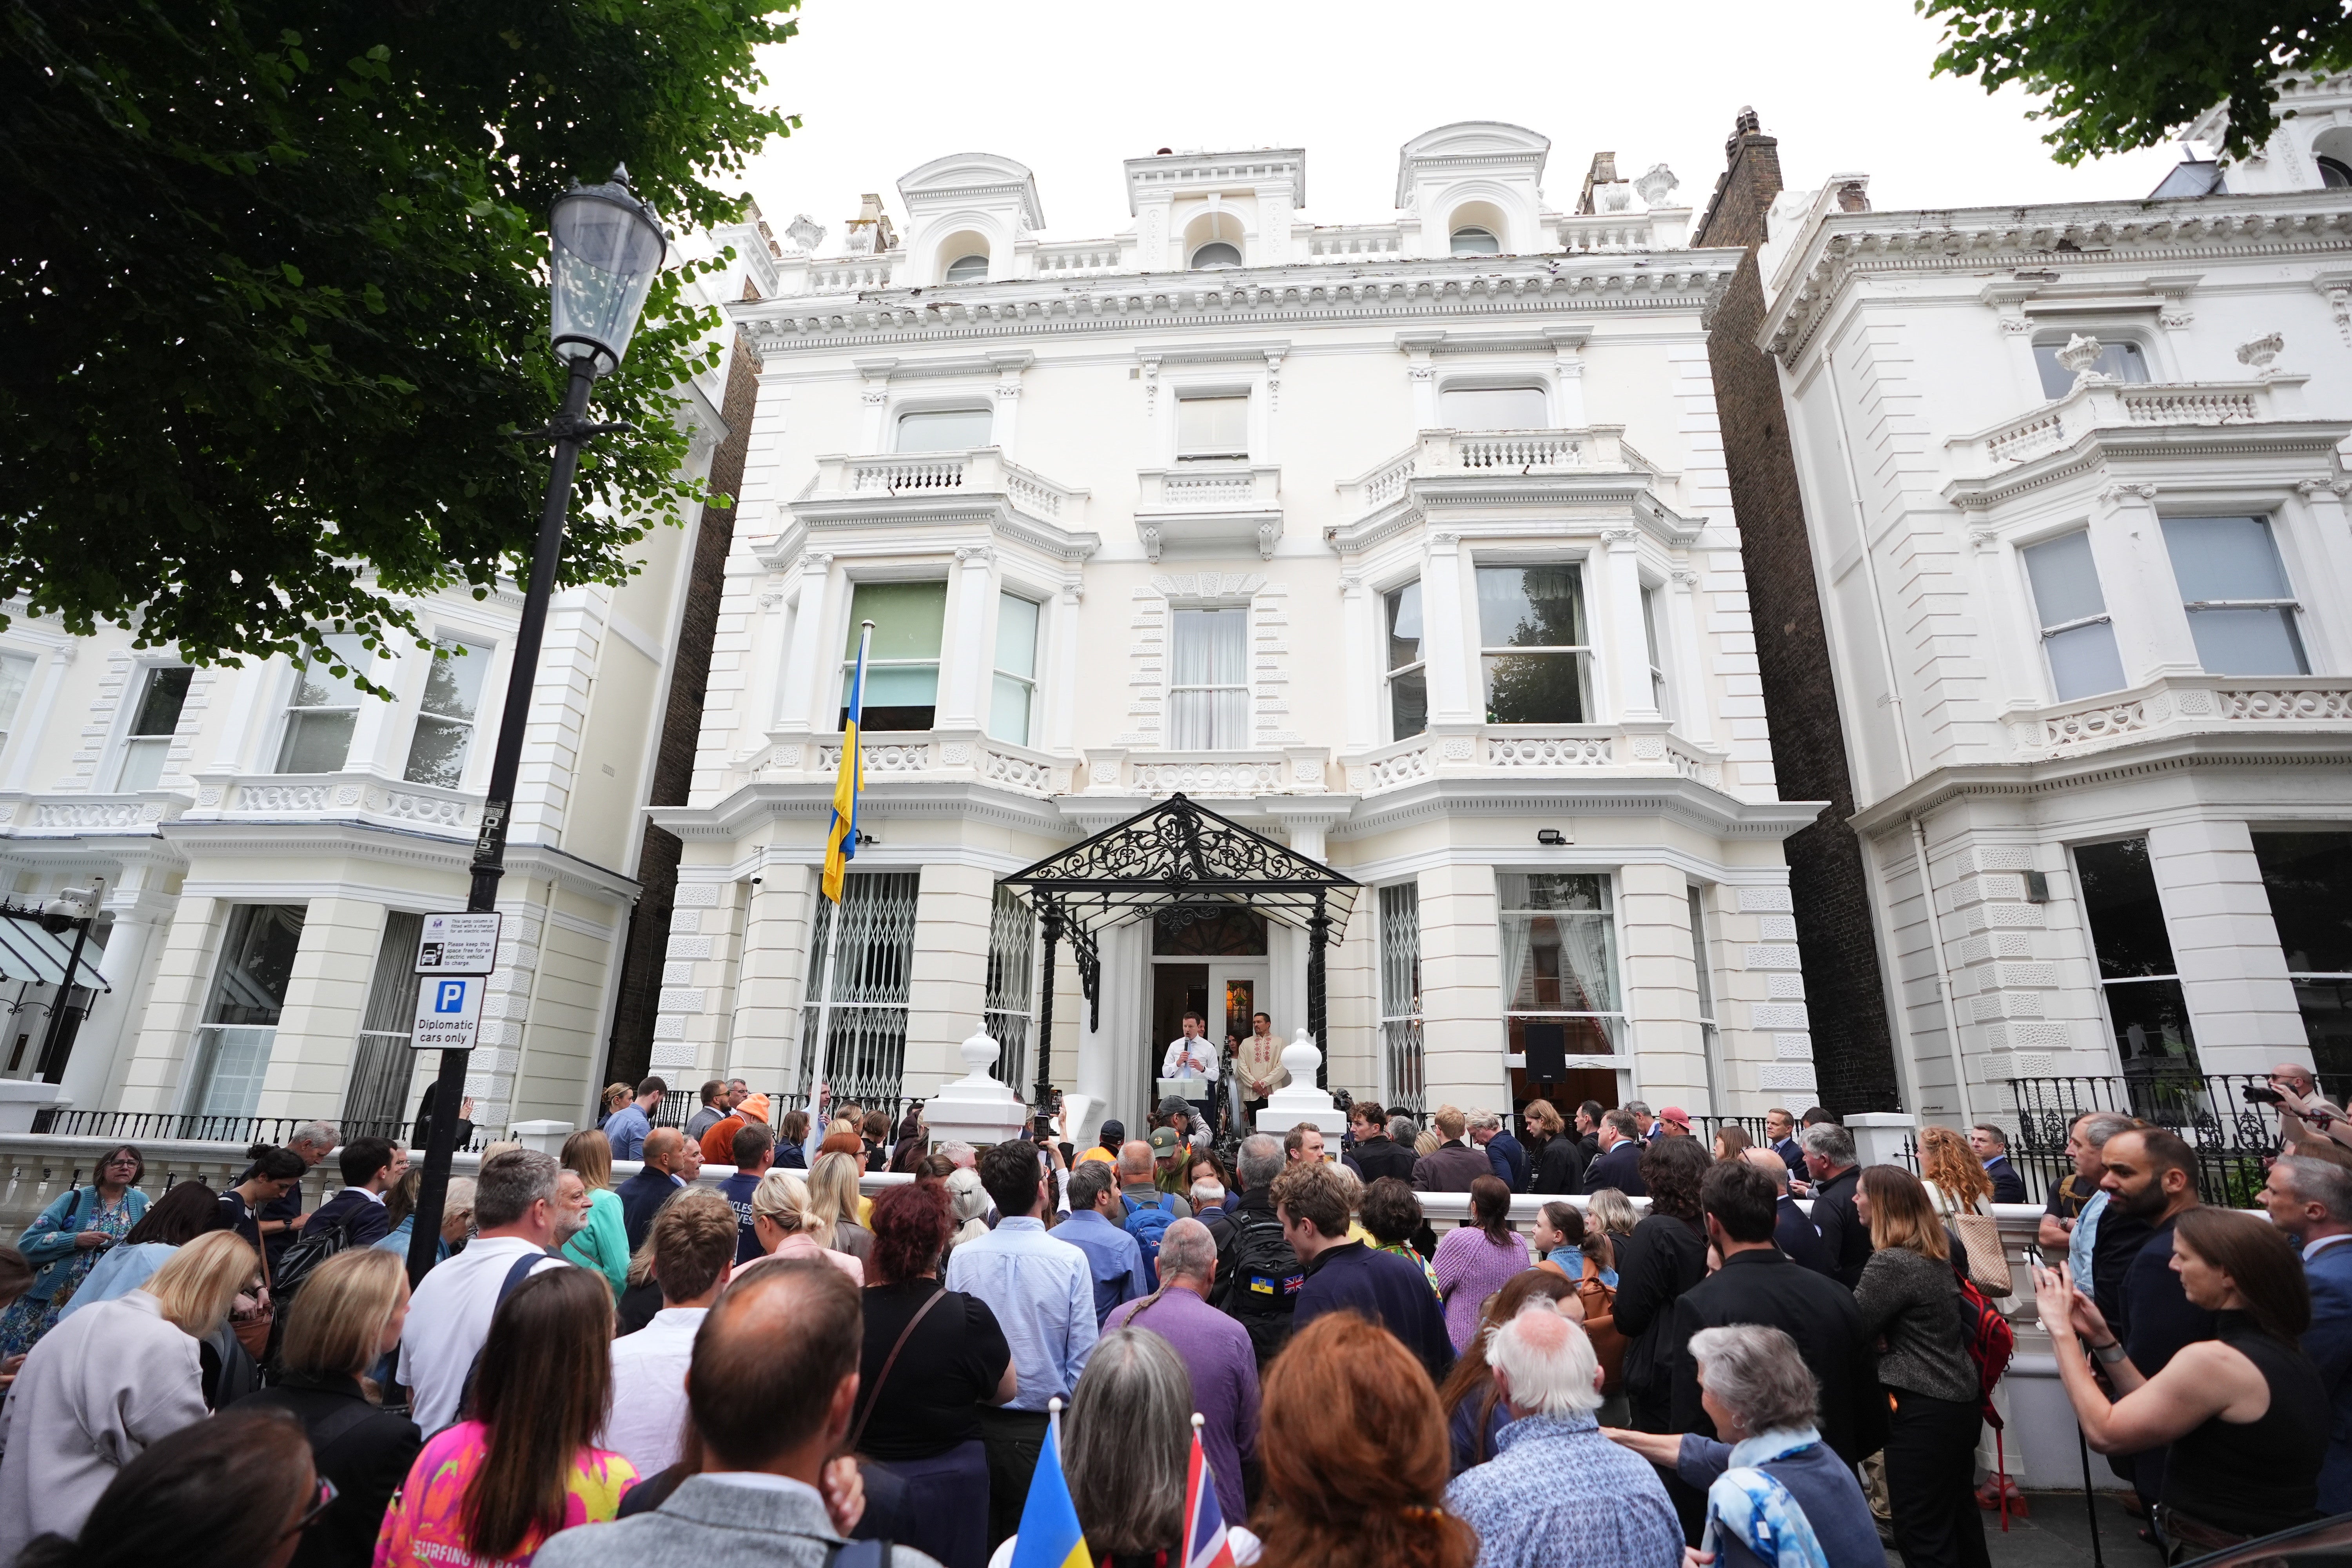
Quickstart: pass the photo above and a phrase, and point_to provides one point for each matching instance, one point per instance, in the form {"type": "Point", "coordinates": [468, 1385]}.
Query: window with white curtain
{"type": "Point", "coordinates": [1208, 680]}
{"type": "Point", "coordinates": [1013, 700]}
{"type": "Point", "coordinates": [945, 429]}
{"type": "Point", "coordinates": [2240, 610]}
{"type": "Point", "coordinates": [1212, 426]}
{"type": "Point", "coordinates": [1493, 408]}
{"type": "Point", "coordinates": [324, 709]}
{"type": "Point", "coordinates": [1559, 963]}
{"type": "Point", "coordinates": [445, 720]}
{"type": "Point", "coordinates": [154, 720]}
{"type": "Point", "coordinates": [1408, 661]}
{"type": "Point", "coordinates": [2077, 637]}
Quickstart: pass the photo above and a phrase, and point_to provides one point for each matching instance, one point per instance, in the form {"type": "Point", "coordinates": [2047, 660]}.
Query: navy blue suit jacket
{"type": "Point", "coordinates": [1619, 1168]}
{"type": "Point", "coordinates": [2328, 1344]}
{"type": "Point", "coordinates": [1509, 1157]}
{"type": "Point", "coordinates": [2007, 1186]}
{"type": "Point", "coordinates": [642, 1196]}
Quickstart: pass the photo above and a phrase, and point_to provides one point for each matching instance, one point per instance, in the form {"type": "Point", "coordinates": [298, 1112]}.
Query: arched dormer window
{"type": "Point", "coordinates": [2334, 173]}
{"type": "Point", "coordinates": [968, 269]}
{"type": "Point", "coordinates": [1214, 256]}
{"type": "Point", "coordinates": [1472, 240]}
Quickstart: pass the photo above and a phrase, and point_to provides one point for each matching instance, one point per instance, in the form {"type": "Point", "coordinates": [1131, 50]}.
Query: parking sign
{"type": "Point", "coordinates": [448, 1012]}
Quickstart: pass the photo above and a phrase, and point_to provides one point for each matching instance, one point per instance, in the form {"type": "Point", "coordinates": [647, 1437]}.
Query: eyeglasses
{"type": "Point", "coordinates": [122, 1160]}
{"type": "Point", "coordinates": [310, 1515]}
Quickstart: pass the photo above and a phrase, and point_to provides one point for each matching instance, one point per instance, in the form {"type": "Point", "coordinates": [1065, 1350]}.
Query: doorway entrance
{"type": "Point", "coordinates": [1209, 959]}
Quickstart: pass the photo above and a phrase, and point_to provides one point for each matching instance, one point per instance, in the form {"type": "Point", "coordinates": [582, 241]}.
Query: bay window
{"type": "Point", "coordinates": [2242, 613]}
{"type": "Point", "coordinates": [2147, 1014]}
{"type": "Point", "coordinates": [1559, 970]}
{"type": "Point", "coordinates": [1533, 648]}
{"type": "Point", "coordinates": [902, 666]}
{"type": "Point", "coordinates": [154, 720]}
{"type": "Point", "coordinates": [445, 722]}
{"type": "Point", "coordinates": [1408, 662]}
{"type": "Point", "coordinates": [323, 710]}
{"type": "Point", "coordinates": [250, 985]}
{"type": "Point", "coordinates": [1012, 699]}
{"type": "Point", "coordinates": [2077, 637]}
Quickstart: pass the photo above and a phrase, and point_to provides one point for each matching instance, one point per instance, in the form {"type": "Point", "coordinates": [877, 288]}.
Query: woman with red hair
{"type": "Point", "coordinates": [932, 1357]}
{"type": "Point", "coordinates": [1356, 1456]}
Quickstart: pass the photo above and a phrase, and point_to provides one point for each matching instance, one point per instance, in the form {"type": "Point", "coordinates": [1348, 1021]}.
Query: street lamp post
{"type": "Point", "coordinates": [606, 248]}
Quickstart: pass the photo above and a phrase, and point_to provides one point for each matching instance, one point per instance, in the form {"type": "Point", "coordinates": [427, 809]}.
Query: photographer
{"type": "Point", "coordinates": [2308, 1122]}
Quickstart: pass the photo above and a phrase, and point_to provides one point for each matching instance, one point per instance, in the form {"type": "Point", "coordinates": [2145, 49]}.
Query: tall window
{"type": "Point", "coordinates": [1532, 644]}
{"type": "Point", "coordinates": [1009, 1005]}
{"type": "Point", "coordinates": [1212, 426]}
{"type": "Point", "coordinates": [867, 1057]}
{"type": "Point", "coordinates": [1208, 680]}
{"type": "Point", "coordinates": [2123, 359]}
{"type": "Point", "coordinates": [2309, 878]}
{"type": "Point", "coordinates": [2146, 1013]}
{"type": "Point", "coordinates": [902, 669]}
{"type": "Point", "coordinates": [2234, 588]}
{"type": "Point", "coordinates": [1657, 663]}
{"type": "Point", "coordinates": [382, 1065]}
{"type": "Point", "coordinates": [1402, 1089]}
{"type": "Point", "coordinates": [1711, 1038]}
{"type": "Point", "coordinates": [1559, 966]}
{"type": "Point", "coordinates": [945, 429]}
{"type": "Point", "coordinates": [323, 710]}
{"type": "Point", "coordinates": [1493, 408]}
{"type": "Point", "coordinates": [445, 722]}
{"type": "Point", "coordinates": [233, 1044]}
{"type": "Point", "coordinates": [15, 674]}
{"type": "Point", "coordinates": [2077, 637]}
{"type": "Point", "coordinates": [154, 720]}
{"type": "Point", "coordinates": [1013, 699]}
{"type": "Point", "coordinates": [1408, 660]}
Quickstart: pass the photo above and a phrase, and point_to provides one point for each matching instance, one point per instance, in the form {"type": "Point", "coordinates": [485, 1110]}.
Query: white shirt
{"type": "Point", "coordinates": [1189, 1059]}
{"type": "Point", "coordinates": [649, 1419]}
{"type": "Point", "coordinates": [448, 1320]}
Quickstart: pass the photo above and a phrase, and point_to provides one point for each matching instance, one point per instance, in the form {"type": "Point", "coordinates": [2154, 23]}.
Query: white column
{"type": "Point", "coordinates": [804, 662]}
{"type": "Point", "coordinates": [2136, 575]}
{"type": "Point", "coordinates": [91, 1070]}
{"type": "Point", "coordinates": [1361, 661]}
{"type": "Point", "coordinates": [1694, 701]}
{"type": "Point", "coordinates": [1005, 429]}
{"type": "Point", "coordinates": [873, 432]}
{"type": "Point", "coordinates": [1568, 376]}
{"type": "Point", "coordinates": [1627, 649]}
{"type": "Point", "coordinates": [965, 657]}
{"type": "Point", "coordinates": [1450, 646]}
{"type": "Point", "coordinates": [2225, 946]}
{"type": "Point", "coordinates": [1060, 694]}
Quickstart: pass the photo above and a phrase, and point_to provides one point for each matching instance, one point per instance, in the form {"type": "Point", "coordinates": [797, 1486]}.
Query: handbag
{"type": "Point", "coordinates": [251, 1324]}
{"type": "Point", "coordinates": [1988, 1262]}
{"type": "Point", "coordinates": [1600, 1327]}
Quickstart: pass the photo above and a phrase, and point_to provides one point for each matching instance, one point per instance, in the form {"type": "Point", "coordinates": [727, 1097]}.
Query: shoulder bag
{"type": "Point", "coordinates": [1988, 1262]}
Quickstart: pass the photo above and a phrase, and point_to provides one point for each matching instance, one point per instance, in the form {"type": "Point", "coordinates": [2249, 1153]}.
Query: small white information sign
{"type": "Point", "coordinates": [448, 1012]}
{"type": "Point", "coordinates": [458, 945]}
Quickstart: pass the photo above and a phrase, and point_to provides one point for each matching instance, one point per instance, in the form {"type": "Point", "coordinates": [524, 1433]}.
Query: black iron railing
{"type": "Point", "coordinates": [2234, 1138]}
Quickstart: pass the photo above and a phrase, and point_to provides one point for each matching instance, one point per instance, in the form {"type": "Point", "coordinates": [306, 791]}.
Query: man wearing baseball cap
{"type": "Point", "coordinates": [1674, 1121]}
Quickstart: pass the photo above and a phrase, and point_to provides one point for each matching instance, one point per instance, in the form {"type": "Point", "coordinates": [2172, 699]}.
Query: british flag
{"type": "Point", "coordinates": [1205, 1545]}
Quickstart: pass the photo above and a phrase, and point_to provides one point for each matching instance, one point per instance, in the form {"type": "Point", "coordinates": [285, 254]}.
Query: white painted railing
{"type": "Point", "coordinates": [980, 470]}
{"type": "Point", "coordinates": [2179, 704]}
{"type": "Point", "coordinates": [1515, 749]}
{"type": "Point", "coordinates": [2101, 403]}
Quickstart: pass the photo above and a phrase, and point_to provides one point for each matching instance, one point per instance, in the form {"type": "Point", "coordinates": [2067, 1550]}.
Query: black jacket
{"type": "Point", "coordinates": [1663, 1258]}
{"type": "Point", "coordinates": [1764, 1287]}
{"type": "Point", "coordinates": [365, 1212]}
{"type": "Point", "coordinates": [1380, 1155]}
{"type": "Point", "coordinates": [1559, 1166]}
{"type": "Point", "coordinates": [1843, 1232]}
{"type": "Point", "coordinates": [366, 1452]}
{"type": "Point", "coordinates": [1619, 1168]}
{"type": "Point", "coordinates": [642, 1196]}
{"type": "Point", "coordinates": [2007, 1186]}
{"type": "Point", "coordinates": [1224, 1229]}
{"type": "Point", "coordinates": [1795, 1235]}
{"type": "Point", "coordinates": [1385, 1289]}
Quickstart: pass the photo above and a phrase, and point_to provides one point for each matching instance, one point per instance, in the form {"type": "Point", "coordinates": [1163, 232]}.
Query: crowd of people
{"type": "Point", "coordinates": [775, 1366]}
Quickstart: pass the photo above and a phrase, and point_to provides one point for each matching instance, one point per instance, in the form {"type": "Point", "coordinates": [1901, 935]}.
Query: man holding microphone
{"type": "Point", "coordinates": [1194, 1055]}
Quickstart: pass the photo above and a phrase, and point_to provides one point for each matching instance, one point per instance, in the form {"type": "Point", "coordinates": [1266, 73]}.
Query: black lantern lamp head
{"type": "Point", "coordinates": [607, 248]}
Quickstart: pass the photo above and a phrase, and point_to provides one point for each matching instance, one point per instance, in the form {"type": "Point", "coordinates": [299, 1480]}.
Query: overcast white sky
{"type": "Point", "coordinates": [1070, 88]}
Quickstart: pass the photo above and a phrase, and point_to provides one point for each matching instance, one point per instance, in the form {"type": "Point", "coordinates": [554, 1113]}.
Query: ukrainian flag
{"type": "Point", "coordinates": [841, 839]}
{"type": "Point", "coordinates": [1050, 1536]}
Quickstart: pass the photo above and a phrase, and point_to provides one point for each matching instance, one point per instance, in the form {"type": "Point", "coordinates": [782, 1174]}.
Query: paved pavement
{"type": "Point", "coordinates": [2058, 1535]}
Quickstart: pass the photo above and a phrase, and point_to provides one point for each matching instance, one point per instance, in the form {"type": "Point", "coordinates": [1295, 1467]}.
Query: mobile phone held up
{"type": "Point", "coordinates": [2259, 1094]}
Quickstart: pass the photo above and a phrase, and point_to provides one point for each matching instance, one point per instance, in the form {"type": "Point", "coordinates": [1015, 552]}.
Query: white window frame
{"type": "Point", "coordinates": [2298, 625]}
{"type": "Point", "coordinates": [1246, 397]}
{"type": "Point", "coordinates": [478, 648]}
{"type": "Point", "coordinates": [1538, 381]}
{"type": "Point", "coordinates": [1388, 676]}
{"type": "Point", "coordinates": [1617, 1025]}
{"type": "Point", "coordinates": [288, 710]}
{"type": "Point", "coordinates": [2046, 630]}
{"type": "Point", "coordinates": [1710, 1035]}
{"type": "Point", "coordinates": [1030, 682]}
{"type": "Point", "coordinates": [1655, 645]}
{"type": "Point", "coordinates": [1248, 686]}
{"type": "Point", "coordinates": [1585, 652]}
{"type": "Point", "coordinates": [1402, 1032]}
{"type": "Point", "coordinates": [129, 744]}
{"type": "Point", "coordinates": [979, 404]}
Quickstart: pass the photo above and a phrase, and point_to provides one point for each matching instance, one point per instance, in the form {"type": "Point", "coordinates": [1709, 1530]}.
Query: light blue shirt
{"type": "Point", "coordinates": [1114, 1257]}
{"type": "Point", "coordinates": [123, 1271]}
{"type": "Point", "coordinates": [1041, 1291]}
{"type": "Point", "coordinates": [626, 1130]}
{"type": "Point", "coordinates": [2083, 1238]}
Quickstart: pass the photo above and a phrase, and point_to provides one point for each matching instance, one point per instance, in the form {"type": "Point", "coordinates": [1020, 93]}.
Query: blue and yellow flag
{"type": "Point", "coordinates": [841, 839]}
{"type": "Point", "coordinates": [1050, 1536]}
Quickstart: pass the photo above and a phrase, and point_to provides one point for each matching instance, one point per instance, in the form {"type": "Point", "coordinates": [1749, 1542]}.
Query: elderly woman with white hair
{"type": "Point", "coordinates": [1775, 1492]}
{"type": "Point", "coordinates": [1558, 1494]}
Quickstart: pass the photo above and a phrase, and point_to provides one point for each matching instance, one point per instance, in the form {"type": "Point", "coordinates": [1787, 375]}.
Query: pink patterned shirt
{"type": "Point", "coordinates": [424, 1526]}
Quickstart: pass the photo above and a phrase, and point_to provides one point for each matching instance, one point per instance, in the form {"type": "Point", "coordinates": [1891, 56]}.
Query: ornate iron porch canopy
{"type": "Point", "coordinates": [1178, 855]}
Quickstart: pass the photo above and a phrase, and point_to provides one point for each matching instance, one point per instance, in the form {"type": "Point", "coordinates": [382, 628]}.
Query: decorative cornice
{"type": "Point", "coordinates": [1843, 247]}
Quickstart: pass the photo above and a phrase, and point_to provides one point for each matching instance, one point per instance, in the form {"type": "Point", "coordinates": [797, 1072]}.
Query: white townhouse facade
{"type": "Point", "coordinates": [268, 839]}
{"type": "Point", "coordinates": [1404, 544]}
{"type": "Point", "coordinates": [2074, 483]}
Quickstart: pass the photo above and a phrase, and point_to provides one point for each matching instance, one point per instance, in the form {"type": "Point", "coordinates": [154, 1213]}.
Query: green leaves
{"type": "Point", "coordinates": [2123, 73]}
{"type": "Point", "coordinates": [265, 320]}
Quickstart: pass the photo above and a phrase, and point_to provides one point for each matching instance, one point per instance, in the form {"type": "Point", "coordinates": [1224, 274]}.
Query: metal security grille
{"type": "Point", "coordinates": [382, 1063]}
{"type": "Point", "coordinates": [866, 1057]}
{"type": "Point", "coordinates": [1401, 997]}
{"type": "Point", "coordinates": [1012, 960]}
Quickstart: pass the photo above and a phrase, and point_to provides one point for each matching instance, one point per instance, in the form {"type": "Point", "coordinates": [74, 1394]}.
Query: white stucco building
{"type": "Point", "coordinates": [268, 839]}
{"type": "Point", "coordinates": [2074, 483]}
{"type": "Point", "coordinates": [1404, 542]}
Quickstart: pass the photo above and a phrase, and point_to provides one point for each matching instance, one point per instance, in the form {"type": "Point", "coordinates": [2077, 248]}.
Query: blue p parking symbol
{"type": "Point", "coordinates": [449, 996]}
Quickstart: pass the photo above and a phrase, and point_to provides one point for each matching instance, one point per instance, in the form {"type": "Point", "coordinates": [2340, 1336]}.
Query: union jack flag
{"type": "Point", "coordinates": [1205, 1545]}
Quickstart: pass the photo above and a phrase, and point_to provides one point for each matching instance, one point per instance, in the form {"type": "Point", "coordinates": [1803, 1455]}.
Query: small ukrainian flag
{"type": "Point", "coordinates": [1050, 1536]}
{"type": "Point", "coordinates": [841, 838]}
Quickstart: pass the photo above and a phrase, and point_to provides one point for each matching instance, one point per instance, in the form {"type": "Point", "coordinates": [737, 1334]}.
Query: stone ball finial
{"type": "Point", "coordinates": [1302, 1057]}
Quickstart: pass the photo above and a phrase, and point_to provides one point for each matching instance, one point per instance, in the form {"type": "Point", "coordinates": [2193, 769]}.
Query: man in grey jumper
{"type": "Point", "coordinates": [772, 1390]}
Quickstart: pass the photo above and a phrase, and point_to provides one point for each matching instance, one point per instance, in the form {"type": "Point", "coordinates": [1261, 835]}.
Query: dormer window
{"type": "Point", "coordinates": [1216, 256]}
{"type": "Point", "coordinates": [2335, 174]}
{"type": "Point", "coordinates": [1493, 408]}
{"type": "Point", "coordinates": [2122, 360]}
{"type": "Point", "coordinates": [944, 429]}
{"type": "Point", "coordinates": [968, 269]}
{"type": "Point", "coordinates": [1475, 241]}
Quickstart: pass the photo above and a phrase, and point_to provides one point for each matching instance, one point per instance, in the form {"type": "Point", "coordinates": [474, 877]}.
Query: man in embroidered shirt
{"type": "Point", "coordinates": [694, 1252]}
{"type": "Point", "coordinates": [1558, 1494]}
{"type": "Point", "coordinates": [1043, 1294]}
{"type": "Point", "coordinates": [1257, 1067]}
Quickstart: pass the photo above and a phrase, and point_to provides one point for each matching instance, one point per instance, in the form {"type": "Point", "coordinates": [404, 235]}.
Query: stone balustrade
{"type": "Point", "coordinates": [2101, 403]}
{"type": "Point", "coordinates": [2183, 704]}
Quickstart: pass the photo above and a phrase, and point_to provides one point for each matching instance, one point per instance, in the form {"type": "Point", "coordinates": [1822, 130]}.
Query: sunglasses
{"type": "Point", "coordinates": [310, 1515]}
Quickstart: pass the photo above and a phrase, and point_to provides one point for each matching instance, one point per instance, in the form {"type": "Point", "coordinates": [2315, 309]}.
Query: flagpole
{"type": "Point", "coordinates": [833, 947]}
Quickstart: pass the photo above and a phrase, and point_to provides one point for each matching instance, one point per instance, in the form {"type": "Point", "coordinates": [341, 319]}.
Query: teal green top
{"type": "Point", "coordinates": [604, 1245]}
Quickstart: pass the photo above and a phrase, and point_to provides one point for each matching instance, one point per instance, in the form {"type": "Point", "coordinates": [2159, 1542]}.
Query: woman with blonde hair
{"type": "Point", "coordinates": [105, 1383]}
{"type": "Point", "coordinates": [615, 1096]}
{"type": "Point", "coordinates": [1609, 1212]}
{"type": "Point", "coordinates": [833, 1197]}
{"type": "Point", "coordinates": [348, 1317]}
{"type": "Point", "coordinates": [602, 1243]}
{"type": "Point", "coordinates": [785, 1218]}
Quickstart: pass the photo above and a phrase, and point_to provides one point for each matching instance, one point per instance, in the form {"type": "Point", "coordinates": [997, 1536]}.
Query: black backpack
{"type": "Point", "coordinates": [1264, 1289]}
{"type": "Point", "coordinates": [296, 1264]}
